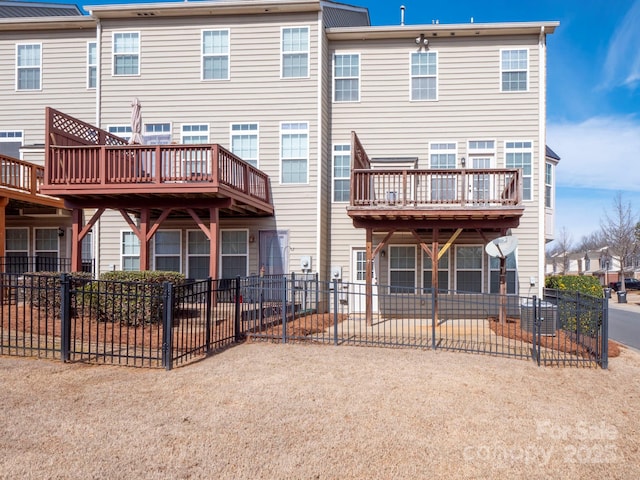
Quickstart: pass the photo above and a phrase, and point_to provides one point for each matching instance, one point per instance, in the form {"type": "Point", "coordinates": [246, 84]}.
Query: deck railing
{"type": "Point", "coordinates": [23, 176]}
{"type": "Point", "coordinates": [428, 188]}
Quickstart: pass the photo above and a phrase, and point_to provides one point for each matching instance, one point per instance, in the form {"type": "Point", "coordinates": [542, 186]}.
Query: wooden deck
{"type": "Point", "coordinates": [21, 184]}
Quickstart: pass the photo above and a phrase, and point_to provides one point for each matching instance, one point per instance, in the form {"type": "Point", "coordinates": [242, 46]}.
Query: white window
{"type": "Point", "coordinates": [29, 66]}
{"type": "Point", "coordinates": [46, 249]}
{"type": "Point", "coordinates": [130, 251]}
{"type": "Point", "coordinates": [166, 250]}
{"type": "Point", "coordinates": [126, 53]}
{"type": "Point", "coordinates": [402, 268]}
{"type": "Point", "coordinates": [92, 64]}
{"type": "Point", "coordinates": [548, 185]}
{"type": "Point", "coordinates": [442, 156]}
{"type": "Point", "coordinates": [494, 280]}
{"type": "Point", "coordinates": [11, 142]}
{"type": "Point", "coordinates": [198, 246]}
{"type": "Point", "coordinates": [244, 142]}
{"type": "Point", "coordinates": [157, 133]}
{"type": "Point", "coordinates": [294, 152]}
{"type": "Point", "coordinates": [443, 271]}
{"type": "Point", "coordinates": [16, 250]}
{"type": "Point", "coordinates": [519, 155]}
{"type": "Point", "coordinates": [215, 55]}
{"type": "Point", "coordinates": [341, 172]}
{"type": "Point", "coordinates": [424, 76]}
{"type": "Point", "coordinates": [295, 52]}
{"type": "Point", "coordinates": [514, 65]}
{"type": "Point", "coordinates": [481, 157]}
{"type": "Point", "coordinates": [194, 134]}
{"type": "Point", "coordinates": [122, 131]}
{"type": "Point", "coordinates": [87, 252]}
{"type": "Point", "coordinates": [469, 268]}
{"type": "Point", "coordinates": [346, 78]}
{"type": "Point", "coordinates": [234, 251]}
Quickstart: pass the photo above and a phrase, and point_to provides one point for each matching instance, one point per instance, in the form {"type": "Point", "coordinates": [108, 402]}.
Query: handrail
{"type": "Point", "coordinates": [20, 175]}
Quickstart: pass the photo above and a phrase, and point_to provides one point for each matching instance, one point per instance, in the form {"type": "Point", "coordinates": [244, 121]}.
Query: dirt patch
{"type": "Point", "coordinates": [305, 325]}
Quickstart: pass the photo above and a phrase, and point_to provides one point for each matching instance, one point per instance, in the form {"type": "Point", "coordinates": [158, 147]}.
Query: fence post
{"type": "Point", "coordinates": [284, 309]}
{"type": "Point", "coordinates": [208, 313]}
{"type": "Point", "coordinates": [65, 317]}
{"type": "Point", "coordinates": [167, 324]}
{"type": "Point", "coordinates": [236, 320]}
{"type": "Point", "coordinates": [605, 333]}
{"type": "Point", "coordinates": [335, 311]}
{"type": "Point", "coordinates": [433, 319]}
{"type": "Point", "coordinates": [537, 322]}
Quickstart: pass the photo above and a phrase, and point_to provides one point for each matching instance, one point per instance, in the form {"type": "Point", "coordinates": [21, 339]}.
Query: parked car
{"type": "Point", "coordinates": [629, 284]}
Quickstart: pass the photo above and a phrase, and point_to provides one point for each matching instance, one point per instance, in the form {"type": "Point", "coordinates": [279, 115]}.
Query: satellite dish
{"type": "Point", "coordinates": [501, 246]}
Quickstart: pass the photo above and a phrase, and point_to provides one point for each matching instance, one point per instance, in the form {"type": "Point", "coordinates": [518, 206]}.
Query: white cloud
{"type": "Point", "coordinates": [622, 65]}
{"type": "Point", "coordinates": [602, 152]}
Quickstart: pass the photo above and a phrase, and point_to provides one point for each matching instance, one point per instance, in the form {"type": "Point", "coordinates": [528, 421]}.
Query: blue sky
{"type": "Point", "coordinates": [593, 98]}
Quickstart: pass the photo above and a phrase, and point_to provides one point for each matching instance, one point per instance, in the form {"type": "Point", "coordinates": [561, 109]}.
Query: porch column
{"type": "Point", "coordinates": [369, 278]}
{"type": "Point", "coordinates": [76, 243]}
{"type": "Point", "coordinates": [213, 242]}
{"type": "Point", "coordinates": [4, 201]}
{"type": "Point", "coordinates": [434, 272]}
{"type": "Point", "coordinates": [145, 217]}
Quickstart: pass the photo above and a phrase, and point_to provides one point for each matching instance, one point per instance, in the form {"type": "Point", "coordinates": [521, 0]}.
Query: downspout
{"type": "Point", "coordinates": [542, 143]}
{"type": "Point", "coordinates": [320, 146]}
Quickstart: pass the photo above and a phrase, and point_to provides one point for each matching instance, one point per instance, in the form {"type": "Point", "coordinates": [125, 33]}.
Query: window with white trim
{"type": "Point", "coordinates": [234, 253]}
{"type": "Point", "coordinates": [443, 156]}
{"type": "Point", "coordinates": [469, 268]}
{"type": "Point", "coordinates": [126, 53]}
{"type": "Point", "coordinates": [11, 142]}
{"type": "Point", "coordinates": [16, 250]}
{"type": "Point", "coordinates": [244, 142]}
{"type": "Point", "coordinates": [29, 66]}
{"type": "Point", "coordinates": [294, 152]}
{"type": "Point", "coordinates": [494, 278]}
{"type": "Point", "coordinates": [519, 155]}
{"type": "Point", "coordinates": [157, 133]}
{"type": "Point", "coordinates": [92, 64]}
{"type": "Point", "coordinates": [548, 185]}
{"type": "Point", "coordinates": [443, 270]}
{"type": "Point", "coordinates": [122, 131]}
{"type": "Point", "coordinates": [129, 251]}
{"type": "Point", "coordinates": [295, 52]}
{"type": "Point", "coordinates": [198, 246]}
{"type": "Point", "coordinates": [215, 54]}
{"type": "Point", "coordinates": [402, 268]}
{"type": "Point", "coordinates": [424, 76]}
{"type": "Point", "coordinates": [482, 156]}
{"type": "Point", "coordinates": [87, 252]}
{"type": "Point", "coordinates": [341, 172]}
{"type": "Point", "coordinates": [167, 248]}
{"type": "Point", "coordinates": [514, 66]}
{"type": "Point", "coordinates": [346, 77]}
{"type": "Point", "coordinates": [46, 249]}
{"type": "Point", "coordinates": [195, 134]}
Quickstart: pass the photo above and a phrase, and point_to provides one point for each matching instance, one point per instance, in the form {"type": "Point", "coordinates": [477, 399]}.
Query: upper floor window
{"type": "Point", "coordinates": [122, 131]}
{"type": "Point", "coordinates": [346, 76]}
{"type": "Point", "coordinates": [11, 142]}
{"type": "Point", "coordinates": [548, 185]}
{"type": "Point", "coordinates": [92, 65]}
{"type": "Point", "coordinates": [294, 154]}
{"type": "Point", "coordinates": [194, 134]}
{"type": "Point", "coordinates": [519, 155]}
{"type": "Point", "coordinates": [244, 142]}
{"type": "Point", "coordinates": [514, 66]}
{"type": "Point", "coordinates": [126, 53]}
{"type": "Point", "coordinates": [29, 66]}
{"type": "Point", "coordinates": [157, 133]}
{"type": "Point", "coordinates": [295, 52]}
{"type": "Point", "coordinates": [215, 55]}
{"type": "Point", "coordinates": [424, 76]}
{"type": "Point", "coordinates": [341, 172]}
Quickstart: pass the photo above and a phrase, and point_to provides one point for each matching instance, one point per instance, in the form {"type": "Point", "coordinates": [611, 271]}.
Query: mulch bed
{"type": "Point", "coordinates": [305, 325]}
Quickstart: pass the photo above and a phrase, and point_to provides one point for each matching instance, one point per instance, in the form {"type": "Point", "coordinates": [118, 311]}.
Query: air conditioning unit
{"type": "Point", "coordinates": [43, 212]}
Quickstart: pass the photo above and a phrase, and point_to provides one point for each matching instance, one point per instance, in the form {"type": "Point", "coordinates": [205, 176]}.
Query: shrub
{"type": "Point", "coordinates": [578, 296]}
{"type": "Point", "coordinates": [576, 283]}
{"type": "Point", "coordinates": [42, 289]}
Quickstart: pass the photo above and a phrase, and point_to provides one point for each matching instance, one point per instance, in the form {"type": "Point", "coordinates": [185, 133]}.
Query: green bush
{"type": "Point", "coordinates": [42, 289]}
{"type": "Point", "coordinates": [578, 296]}
{"type": "Point", "coordinates": [133, 297]}
{"type": "Point", "coordinates": [586, 285]}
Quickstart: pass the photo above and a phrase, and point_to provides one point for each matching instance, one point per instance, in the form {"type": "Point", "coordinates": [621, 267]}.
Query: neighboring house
{"type": "Point", "coordinates": [599, 263]}
{"type": "Point", "coordinates": [447, 152]}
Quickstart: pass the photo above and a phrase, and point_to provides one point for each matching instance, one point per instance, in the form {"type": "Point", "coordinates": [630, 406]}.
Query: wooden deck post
{"type": "Point", "coordinates": [434, 273]}
{"type": "Point", "coordinates": [213, 242]}
{"type": "Point", "coordinates": [369, 278]}
{"type": "Point", "coordinates": [4, 201]}
{"type": "Point", "coordinates": [145, 217]}
{"type": "Point", "coordinates": [76, 242]}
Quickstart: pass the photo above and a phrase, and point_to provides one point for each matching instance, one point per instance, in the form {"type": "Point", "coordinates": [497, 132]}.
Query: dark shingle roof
{"type": "Point", "coordinates": [14, 9]}
{"type": "Point", "coordinates": [338, 15]}
{"type": "Point", "coordinates": [550, 153]}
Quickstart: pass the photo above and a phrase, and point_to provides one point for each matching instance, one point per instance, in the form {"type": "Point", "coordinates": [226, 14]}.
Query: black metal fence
{"type": "Point", "coordinates": [21, 264]}
{"type": "Point", "coordinates": [165, 325]}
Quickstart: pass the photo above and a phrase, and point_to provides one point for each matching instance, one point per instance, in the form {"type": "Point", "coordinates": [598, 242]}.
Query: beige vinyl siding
{"type": "Point", "coordinates": [470, 106]}
{"type": "Point", "coordinates": [63, 85]}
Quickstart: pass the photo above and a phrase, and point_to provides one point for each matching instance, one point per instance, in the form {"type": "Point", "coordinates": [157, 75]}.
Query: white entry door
{"type": "Point", "coordinates": [357, 287]}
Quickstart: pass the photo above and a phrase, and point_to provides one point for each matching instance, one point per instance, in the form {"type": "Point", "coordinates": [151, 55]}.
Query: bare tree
{"type": "Point", "coordinates": [562, 247]}
{"type": "Point", "coordinates": [592, 241]}
{"type": "Point", "coordinates": [619, 232]}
